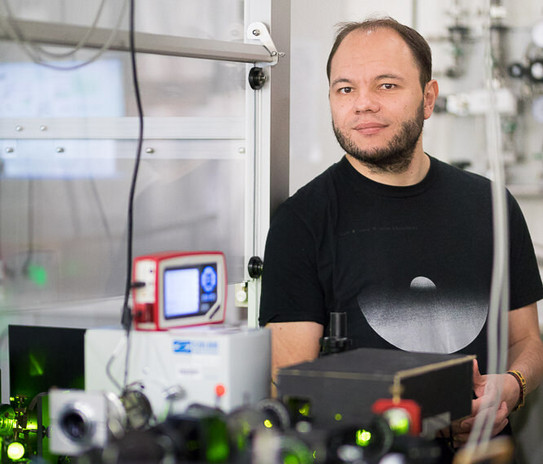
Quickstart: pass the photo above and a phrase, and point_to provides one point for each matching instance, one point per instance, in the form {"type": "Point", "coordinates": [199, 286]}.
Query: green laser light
{"type": "Point", "coordinates": [15, 451]}
{"type": "Point", "coordinates": [37, 274]}
{"type": "Point", "coordinates": [398, 420]}
{"type": "Point", "coordinates": [291, 459]}
{"type": "Point", "coordinates": [304, 410]}
{"type": "Point", "coordinates": [363, 437]}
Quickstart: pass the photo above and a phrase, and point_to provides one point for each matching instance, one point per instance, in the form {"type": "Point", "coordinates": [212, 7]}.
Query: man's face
{"type": "Point", "coordinates": [377, 103]}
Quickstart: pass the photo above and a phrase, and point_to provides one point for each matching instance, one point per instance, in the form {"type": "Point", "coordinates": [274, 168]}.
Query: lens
{"type": "Point", "coordinates": [74, 425]}
{"type": "Point", "coordinates": [15, 451]}
{"type": "Point", "coordinates": [7, 420]}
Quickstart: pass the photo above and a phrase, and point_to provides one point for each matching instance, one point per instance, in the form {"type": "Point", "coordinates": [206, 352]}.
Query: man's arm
{"type": "Point", "coordinates": [525, 348]}
{"type": "Point", "coordinates": [293, 343]}
{"type": "Point", "coordinates": [525, 355]}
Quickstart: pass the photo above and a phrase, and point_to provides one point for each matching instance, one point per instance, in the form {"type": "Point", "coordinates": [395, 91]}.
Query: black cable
{"type": "Point", "coordinates": [127, 314]}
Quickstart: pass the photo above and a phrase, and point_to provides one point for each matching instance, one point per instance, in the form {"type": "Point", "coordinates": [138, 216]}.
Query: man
{"type": "Point", "coordinates": [399, 241]}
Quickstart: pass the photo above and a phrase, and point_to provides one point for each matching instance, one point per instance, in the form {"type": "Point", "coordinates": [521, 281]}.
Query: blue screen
{"type": "Point", "coordinates": [189, 290]}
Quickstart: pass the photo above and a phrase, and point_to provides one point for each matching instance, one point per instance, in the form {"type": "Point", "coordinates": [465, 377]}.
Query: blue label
{"type": "Point", "coordinates": [195, 347]}
{"type": "Point", "coordinates": [181, 347]}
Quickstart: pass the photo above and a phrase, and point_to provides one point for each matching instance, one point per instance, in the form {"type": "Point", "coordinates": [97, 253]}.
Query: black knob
{"type": "Point", "coordinates": [255, 267]}
{"type": "Point", "coordinates": [257, 78]}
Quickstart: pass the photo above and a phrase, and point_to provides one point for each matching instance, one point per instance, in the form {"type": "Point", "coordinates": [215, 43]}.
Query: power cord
{"type": "Point", "coordinates": [126, 319]}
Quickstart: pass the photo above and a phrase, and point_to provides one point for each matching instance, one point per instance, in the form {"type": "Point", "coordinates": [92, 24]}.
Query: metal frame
{"type": "Point", "coordinates": [123, 128]}
{"type": "Point", "coordinates": [268, 138]}
{"type": "Point", "coordinates": [70, 35]}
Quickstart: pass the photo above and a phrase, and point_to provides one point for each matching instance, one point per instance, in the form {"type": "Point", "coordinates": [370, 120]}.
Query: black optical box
{"type": "Point", "coordinates": [344, 386]}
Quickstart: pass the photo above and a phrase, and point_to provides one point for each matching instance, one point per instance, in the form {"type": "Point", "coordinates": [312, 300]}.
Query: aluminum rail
{"type": "Point", "coordinates": [70, 35]}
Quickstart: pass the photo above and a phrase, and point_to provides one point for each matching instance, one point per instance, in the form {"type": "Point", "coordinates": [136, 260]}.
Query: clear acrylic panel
{"type": "Point", "coordinates": [64, 185]}
{"type": "Point", "coordinates": [65, 239]}
{"type": "Point", "coordinates": [203, 19]}
{"type": "Point", "coordinates": [169, 86]}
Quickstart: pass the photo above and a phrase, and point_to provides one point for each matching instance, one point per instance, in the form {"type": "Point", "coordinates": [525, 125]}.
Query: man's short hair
{"type": "Point", "coordinates": [417, 44]}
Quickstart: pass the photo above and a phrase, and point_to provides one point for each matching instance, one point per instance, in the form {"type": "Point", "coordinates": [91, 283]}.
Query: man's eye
{"type": "Point", "coordinates": [345, 90]}
{"type": "Point", "coordinates": [388, 86]}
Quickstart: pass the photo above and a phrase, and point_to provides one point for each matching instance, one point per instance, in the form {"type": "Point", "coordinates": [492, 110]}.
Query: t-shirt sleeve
{"type": "Point", "coordinates": [525, 279]}
{"type": "Point", "coordinates": [291, 289]}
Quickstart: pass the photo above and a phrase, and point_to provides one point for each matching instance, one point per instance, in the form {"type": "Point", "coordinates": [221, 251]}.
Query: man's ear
{"type": "Point", "coordinates": [431, 91]}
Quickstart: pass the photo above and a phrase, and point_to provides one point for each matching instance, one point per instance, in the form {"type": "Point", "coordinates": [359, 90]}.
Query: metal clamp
{"type": "Point", "coordinates": [259, 31]}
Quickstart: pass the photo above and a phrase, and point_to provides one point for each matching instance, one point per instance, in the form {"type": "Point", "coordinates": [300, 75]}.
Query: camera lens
{"type": "Point", "coordinates": [74, 424]}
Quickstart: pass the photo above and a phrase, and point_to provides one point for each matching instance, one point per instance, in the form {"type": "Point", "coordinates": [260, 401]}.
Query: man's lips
{"type": "Point", "coordinates": [369, 128]}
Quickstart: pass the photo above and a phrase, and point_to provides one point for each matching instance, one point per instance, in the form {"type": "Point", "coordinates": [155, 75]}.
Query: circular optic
{"type": "Point", "coordinates": [290, 458]}
{"type": "Point", "coordinates": [7, 420]}
{"type": "Point", "coordinates": [350, 453]}
{"type": "Point", "coordinates": [516, 70]}
{"type": "Point", "coordinates": [363, 437]}
{"type": "Point", "coordinates": [15, 451]}
{"type": "Point", "coordinates": [536, 70]}
{"type": "Point", "coordinates": [138, 408]}
{"type": "Point", "coordinates": [74, 424]}
{"type": "Point", "coordinates": [294, 451]}
{"type": "Point", "coordinates": [398, 420]}
{"type": "Point", "coordinates": [274, 414]}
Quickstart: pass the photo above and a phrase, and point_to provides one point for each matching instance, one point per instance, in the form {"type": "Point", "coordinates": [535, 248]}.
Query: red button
{"type": "Point", "coordinates": [220, 390]}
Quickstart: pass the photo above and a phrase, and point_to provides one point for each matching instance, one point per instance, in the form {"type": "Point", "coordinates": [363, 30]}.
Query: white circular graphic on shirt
{"type": "Point", "coordinates": [420, 318]}
{"type": "Point", "coordinates": [422, 284]}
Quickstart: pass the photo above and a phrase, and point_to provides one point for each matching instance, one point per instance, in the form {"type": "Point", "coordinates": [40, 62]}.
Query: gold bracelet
{"type": "Point", "coordinates": [522, 384]}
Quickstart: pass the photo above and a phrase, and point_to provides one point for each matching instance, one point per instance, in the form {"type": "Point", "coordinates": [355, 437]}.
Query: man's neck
{"type": "Point", "coordinates": [415, 172]}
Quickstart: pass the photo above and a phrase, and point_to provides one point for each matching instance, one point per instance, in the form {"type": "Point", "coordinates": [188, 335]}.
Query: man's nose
{"type": "Point", "coordinates": [365, 101]}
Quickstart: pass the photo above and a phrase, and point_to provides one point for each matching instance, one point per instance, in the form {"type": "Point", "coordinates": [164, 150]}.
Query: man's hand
{"type": "Point", "coordinates": [485, 388]}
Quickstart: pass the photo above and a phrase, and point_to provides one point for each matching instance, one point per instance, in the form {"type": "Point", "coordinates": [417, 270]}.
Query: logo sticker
{"type": "Point", "coordinates": [196, 347]}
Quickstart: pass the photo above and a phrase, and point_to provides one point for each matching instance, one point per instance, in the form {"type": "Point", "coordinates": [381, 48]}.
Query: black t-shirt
{"type": "Point", "coordinates": [411, 266]}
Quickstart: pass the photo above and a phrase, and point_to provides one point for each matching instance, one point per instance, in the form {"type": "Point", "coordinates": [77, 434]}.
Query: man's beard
{"type": "Point", "coordinates": [397, 155]}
